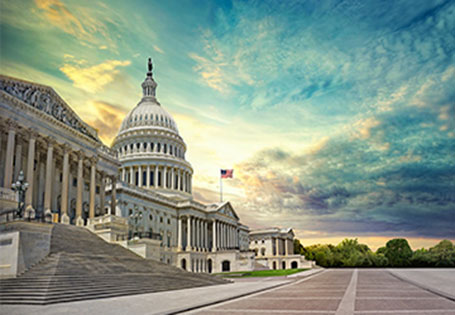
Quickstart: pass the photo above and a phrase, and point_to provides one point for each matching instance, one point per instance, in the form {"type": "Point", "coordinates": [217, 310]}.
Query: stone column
{"type": "Point", "coordinates": [113, 195]}
{"type": "Point", "coordinates": [30, 175]}
{"type": "Point", "coordinates": [277, 245]}
{"type": "Point", "coordinates": [48, 184]}
{"type": "Point", "coordinates": [80, 186]}
{"type": "Point", "coordinates": [196, 232]}
{"type": "Point", "coordinates": [123, 174]}
{"type": "Point", "coordinates": [173, 178]}
{"type": "Point", "coordinates": [8, 179]}
{"type": "Point", "coordinates": [102, 192]}
{"type": "Point", "coordinates": [178, 179]}
{"type": "Point", "coordinates": [131, 175]}
{"type": "Point", "coordinates": [165, 177]}
{"type": "Point", "coordinates": [139, 176]}
{"type": "Point", "coordinates": [65, 182]}
{"type": "Point", "coordinates": [148, 177]}
{"type": "Point", "coordinates": [286, 249]}
{"type": "Point", "coordinates": [193, 236]}
{"type": "Point", "coordinates": [188, 235]}
{"type": "Point", "coordinates": [180, 239]}
{"type": "Point", "coordinates": [91, 212]}
{"type": "Point", "coordinates": [206, 236]}
{"type": "Point", "coordinates": [18, 158]}
{"type": "Point", "coordinates": [156, 176]}
{"type": "Point", "coordinates": [184, 180]}
{"type": "Point", "coordinates": [213, 236]}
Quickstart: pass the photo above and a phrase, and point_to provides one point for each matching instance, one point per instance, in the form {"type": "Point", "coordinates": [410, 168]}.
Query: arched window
{"type": "Point", "coordinates": [263, 251]}
{"type": "Point", "coordinates": [151, 146]}
{"type": "Point", "coordinates": [158, 147]}
{"type": "Point", "coordinates": [165, 148]}
{"type": "Point", "coordinates": [146, 116]}
{"type": "Point", "coordinates": [170, 149]}
{"type": "Point", "coordinates": [138, 145]}
{"type": "Point", "coordinates": [145, 145]}
{"type": "Point", "coordinates": [126, 148]}
{"type": "Point", "coordinates": [131, 146]}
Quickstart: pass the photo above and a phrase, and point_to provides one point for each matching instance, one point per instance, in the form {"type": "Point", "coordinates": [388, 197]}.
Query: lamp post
{"type": "Point", "coordinates": [20, 187]}
{"type": "Point", "coordinates": [136, 217]}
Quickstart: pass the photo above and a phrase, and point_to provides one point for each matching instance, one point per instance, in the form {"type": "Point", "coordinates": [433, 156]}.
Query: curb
{"type": "Point", "coordinates": [422, 286]}
{"type": "Point", "coordinates": [195, 307]}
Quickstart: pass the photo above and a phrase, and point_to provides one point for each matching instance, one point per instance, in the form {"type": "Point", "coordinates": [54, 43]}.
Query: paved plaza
{"type": "Point", "coordinates": [333, 291]}
{"type": "Point", "coordinates": [336, 292]}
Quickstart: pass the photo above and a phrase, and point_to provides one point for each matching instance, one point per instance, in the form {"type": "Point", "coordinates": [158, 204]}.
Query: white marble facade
{"type": "Point", "coordinates": [64, 162]}
{"type": "Point", "coordinates": [274, 249]}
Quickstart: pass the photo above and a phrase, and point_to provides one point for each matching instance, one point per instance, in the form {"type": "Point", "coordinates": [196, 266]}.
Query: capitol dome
{"type": "Point", "coordinates": [150, 149]}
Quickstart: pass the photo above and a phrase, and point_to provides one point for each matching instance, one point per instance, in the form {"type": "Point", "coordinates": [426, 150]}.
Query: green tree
{"type": "Point", "coordinates": [298, 247]}
{"type": "Point", "coordinates": [398, 252]}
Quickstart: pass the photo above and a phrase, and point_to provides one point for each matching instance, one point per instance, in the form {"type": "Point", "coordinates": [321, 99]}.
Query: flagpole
{"type": "Point", "coordinates": [221, 188]}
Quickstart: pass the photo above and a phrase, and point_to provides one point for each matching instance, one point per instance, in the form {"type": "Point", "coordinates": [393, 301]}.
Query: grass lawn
{"type": "Point", "coordinates": [259, 273]}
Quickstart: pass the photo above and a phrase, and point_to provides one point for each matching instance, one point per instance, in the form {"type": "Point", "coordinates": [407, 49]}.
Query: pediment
{"type": "Point", "coordinates": [46, 100]}
{"type": "Point", "coordinates": [228, 210]}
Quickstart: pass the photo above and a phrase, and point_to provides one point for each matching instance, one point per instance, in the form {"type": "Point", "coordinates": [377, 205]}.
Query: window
{"type": "Point", "coordinates": [161, 219]}
{"type": "Point", "coordinates": [158, 147]}
{"type": "Point", "coordinates": [170, 149]}
{"type": "Point", "coordinates": [140, 117]}
{"type": "Point", "coordinates": [263, 241]}
{"type": "Point", "coordinates": [151, 146]}
{"type": "Point", "coordinates": [126, 148]}
{"type": "Point", "coordinates": [137, 178]}
{"type": "Point", "coordinates": [130, 212]}
{"type": "Point", "coordinates": [255, 242]}
{"type": "Point", "coordinates": [131, 146]}
{"type": "Point", "coordinates": [151, 217]}
{"type": "Point", "coordinates": [146, 116]}
{"type": "Point", "coordinates": [165, 148]}
{"type": "Point", "coordinates": [263, 251]}
{"type": "Point", "coordinates": [138, 145]}
{"type": "Point", "coordinates": [145, 145]}
{"type": "Point", "coordinates": [74, 182]}
{"type": "Point", "coordinates": [144, 178]}
{"type": "Point", "coordinates": [97, 189]}
{"type": "Point", "coordinates": [168, 221]}
{"type": "Point", "coordinates": [135, 118]}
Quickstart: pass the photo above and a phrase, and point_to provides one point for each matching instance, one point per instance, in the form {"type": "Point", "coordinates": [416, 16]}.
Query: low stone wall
{"type": "Point", "coordinates": [22, 244]}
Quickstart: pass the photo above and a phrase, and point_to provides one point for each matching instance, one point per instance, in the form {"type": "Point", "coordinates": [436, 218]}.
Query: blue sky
{"type": "Point", "coordinates": [337, 116]}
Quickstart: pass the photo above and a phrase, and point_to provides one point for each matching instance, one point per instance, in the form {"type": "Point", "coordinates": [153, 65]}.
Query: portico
{"type": "Point", "coordinates": [64, 163]}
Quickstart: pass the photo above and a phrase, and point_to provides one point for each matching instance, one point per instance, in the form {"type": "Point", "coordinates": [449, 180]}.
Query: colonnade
{"type": "Point", "coordinates": [207, 235]}
{"type": "Point", "coordinates": [279, 251]}
{"type": "Point", "coordinates": [34, 174]}
{"type": "Point", "coordinates": [157, 176]}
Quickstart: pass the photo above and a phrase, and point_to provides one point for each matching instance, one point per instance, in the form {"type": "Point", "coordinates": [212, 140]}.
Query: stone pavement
{"type": "Point", "coordinates": [334, 292]}
{"type": "Point", "coordinates": [341, 291]}
{"type": "Point", "coordinates": [438, 280]}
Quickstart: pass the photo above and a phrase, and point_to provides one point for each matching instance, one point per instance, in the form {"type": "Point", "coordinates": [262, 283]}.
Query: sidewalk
{"type": "Point", "coordinates": [438, 280]}
{"type": "Point", "coordinates": [153, 303]}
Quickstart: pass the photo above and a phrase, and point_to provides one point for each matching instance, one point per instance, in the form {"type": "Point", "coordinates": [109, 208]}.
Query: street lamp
{"type": "Point", "coordinates": [136, 217]}
{"type": "Point", "coordinates": [20, 187]}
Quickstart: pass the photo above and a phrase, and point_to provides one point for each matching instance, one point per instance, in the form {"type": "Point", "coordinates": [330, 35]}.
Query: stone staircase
{"type": "Point", "coordinates": [82, 266]}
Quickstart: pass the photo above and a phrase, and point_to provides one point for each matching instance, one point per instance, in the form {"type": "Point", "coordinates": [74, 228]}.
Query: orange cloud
{"type": "Point", "coordinates": [107, 121]}
{"type": "Point", "coordinates": [60, 16]}
{"type": "Point", "coordinates": [93, 79]}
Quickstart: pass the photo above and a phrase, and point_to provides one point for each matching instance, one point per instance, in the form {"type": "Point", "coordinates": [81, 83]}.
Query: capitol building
{"type": "Point", "coordinates": [137, 193]}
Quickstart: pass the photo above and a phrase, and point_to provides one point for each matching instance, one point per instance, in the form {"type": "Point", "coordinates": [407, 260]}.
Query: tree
{"type": "Point", "coordinates": [398, 252]}
{"type": "Point", "coordinates": [298, 247]}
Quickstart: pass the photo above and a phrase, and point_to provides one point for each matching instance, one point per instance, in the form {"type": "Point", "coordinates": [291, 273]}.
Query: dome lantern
{"type": "Point", "coordinates": [149, 85]}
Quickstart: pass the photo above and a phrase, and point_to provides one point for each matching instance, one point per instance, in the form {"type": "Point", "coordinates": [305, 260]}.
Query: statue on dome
{"type": "Point", "coordinates": [150, 65]}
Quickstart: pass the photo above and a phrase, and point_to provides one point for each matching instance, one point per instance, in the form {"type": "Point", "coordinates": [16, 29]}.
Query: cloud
{"type": "Point", "coordinates": [57, 14]}
{"type": "Point", "coordinates": [93, 78]}
{"type": "Point", "coordinates": [158, 49]}
{"type": "Point", "coordinates": [108, 120]}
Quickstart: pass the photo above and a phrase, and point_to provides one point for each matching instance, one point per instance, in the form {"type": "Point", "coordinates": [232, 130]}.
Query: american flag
{"type": "Point", "coordinates": [227, 173]}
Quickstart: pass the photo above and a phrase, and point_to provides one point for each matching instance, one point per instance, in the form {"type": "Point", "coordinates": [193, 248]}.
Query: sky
{"type": "Point", "coordinates": [338, 117]}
